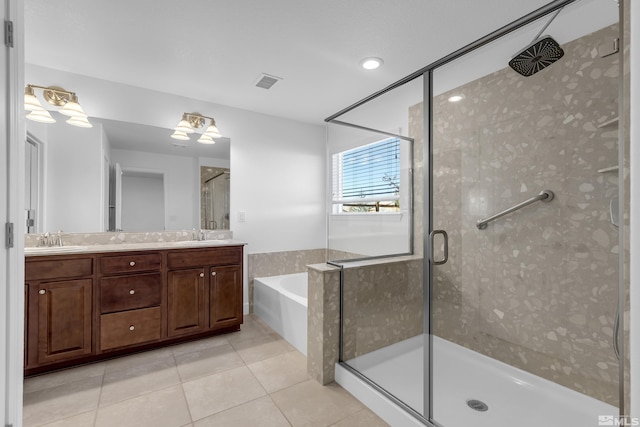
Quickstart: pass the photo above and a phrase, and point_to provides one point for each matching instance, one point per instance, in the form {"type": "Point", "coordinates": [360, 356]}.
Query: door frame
{"type": "Point", "coordinates": [12, 190]}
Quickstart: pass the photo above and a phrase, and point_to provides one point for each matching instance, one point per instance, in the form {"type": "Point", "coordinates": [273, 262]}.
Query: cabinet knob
{"type": "Point", "coordinates": [132, 263]}
{"type": "Point", "coordinates": [213, 273]}
{"type": "Point", "coordinates": [131, 328]}
{"type": "Point", "coordinates": [131, 292]}
{"type": "Point", "coordinates": [42, 292]}
{"type": "Point", "coordinates": [201, 274]}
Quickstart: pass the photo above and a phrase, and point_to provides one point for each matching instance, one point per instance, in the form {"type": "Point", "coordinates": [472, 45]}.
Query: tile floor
{"type": "Point", "coordinates": [247, 378]}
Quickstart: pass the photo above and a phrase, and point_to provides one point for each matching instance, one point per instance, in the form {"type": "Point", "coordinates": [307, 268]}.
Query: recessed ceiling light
{"type": "Point", "coordinates": [456, 98]}
{"type": "Point", "coordinates": [371, 63]}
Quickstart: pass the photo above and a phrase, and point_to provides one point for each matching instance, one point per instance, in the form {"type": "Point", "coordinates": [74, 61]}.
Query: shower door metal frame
{"type": "Point", "coordinates": [427, 74]}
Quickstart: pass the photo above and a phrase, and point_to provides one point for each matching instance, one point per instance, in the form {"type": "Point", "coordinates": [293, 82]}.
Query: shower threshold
{"type": "Point", "coordinates": [511, 396]}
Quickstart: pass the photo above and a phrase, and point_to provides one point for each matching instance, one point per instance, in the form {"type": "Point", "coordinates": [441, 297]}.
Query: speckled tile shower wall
{"type": "Point", "coordinates": [383, 305]}
{"type": "Point", "coordinates": [536, 289]}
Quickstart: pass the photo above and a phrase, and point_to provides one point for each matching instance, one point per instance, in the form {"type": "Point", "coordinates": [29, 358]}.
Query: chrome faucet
{"type": "Point", "coordinates": [43, 240]}
{"type": "Point", "coordinates": [48, 240]}
{"type": "Point", "coordinates": [197, 235]}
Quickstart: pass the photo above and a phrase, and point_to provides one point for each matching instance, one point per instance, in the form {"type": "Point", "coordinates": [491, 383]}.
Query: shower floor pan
{"type": "Point", "coordinates": [469, 389]}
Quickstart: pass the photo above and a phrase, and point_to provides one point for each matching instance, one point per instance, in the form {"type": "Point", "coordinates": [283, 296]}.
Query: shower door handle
{"type": "Point", "coordinates": [432, 237]}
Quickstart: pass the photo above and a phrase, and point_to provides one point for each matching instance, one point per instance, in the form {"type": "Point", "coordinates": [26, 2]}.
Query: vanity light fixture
{"type": "Point", "coordinates": [192, 121]}
{"type": "Point", "coordinates": [58, 97]}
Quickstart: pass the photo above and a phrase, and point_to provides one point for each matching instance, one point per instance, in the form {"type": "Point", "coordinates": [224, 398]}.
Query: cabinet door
{"type": "Point", "coordinates": [186, 302]}
{"type": "Point", "coordinates": [64, 319]}
{"type": "Point", "coordinates": [225, 296]}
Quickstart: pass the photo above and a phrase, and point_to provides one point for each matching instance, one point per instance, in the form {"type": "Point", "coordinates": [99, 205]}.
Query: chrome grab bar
{"type": "Point", "coordinates": [545, 196]}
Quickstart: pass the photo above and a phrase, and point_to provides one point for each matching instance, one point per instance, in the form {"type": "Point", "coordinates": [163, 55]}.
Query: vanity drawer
{"type": "Point", "coordinates": [130, 292]}
{"type": "Point", "coordinates": [196, 258]}
{"type": "Point", "coordinates": [130, 263]}
{"type": "Point", "coordinates": [129, 327]}
{"type": "Point", "coordinates": [58, 268]}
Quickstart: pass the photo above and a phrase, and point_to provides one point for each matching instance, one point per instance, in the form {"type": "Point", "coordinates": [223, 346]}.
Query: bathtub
{"type": "Point", "coordinates": [281, 302]}
{"type": "Point", "coordinates": [514, 397]}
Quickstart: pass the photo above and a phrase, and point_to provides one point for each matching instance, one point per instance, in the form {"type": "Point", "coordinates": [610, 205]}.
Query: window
{"type": "Point", "coordinates": [367, 178]}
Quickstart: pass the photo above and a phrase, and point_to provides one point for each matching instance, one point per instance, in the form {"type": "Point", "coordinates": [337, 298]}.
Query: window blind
{"type": "Point", "coordinates": [367, 173]}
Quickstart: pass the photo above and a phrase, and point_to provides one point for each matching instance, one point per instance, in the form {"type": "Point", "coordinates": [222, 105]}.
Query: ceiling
{"type": "Point", "coordinates": [215, 50]}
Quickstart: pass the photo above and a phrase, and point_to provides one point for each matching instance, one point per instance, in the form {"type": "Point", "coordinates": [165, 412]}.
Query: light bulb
{"type": "Point", "coordinates": [41, 116]}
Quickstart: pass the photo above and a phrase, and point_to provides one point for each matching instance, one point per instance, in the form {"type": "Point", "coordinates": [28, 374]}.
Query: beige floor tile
{"type": "Point", "coordinates": [262, 347]}
{"type": "Point", "coordinates": [56, 403]}
{"type": "Point", "coordinates": [311, 404]}
{"type": "Point", "coordinates": [364, 418]}
{"type": "Point", "coordinates": [66, 376]}
{"type": "Point", "coordinates": [261, 412]}
{"type": "Point", "coordinates": [137, 359]}
{"type": "Point", "coordinates": [207, 361]}
{"type": "Point", "coordinates": [214, 393]}
{"type": "Point", "coordinates": [131, 380]}
{"type": "Point", "coordinates": [250, 329]}
{"type": "Point", "coordinates": [281, 371]}
{"type": "Point", "coordinates": [162, 408]}
{"type": "Point", "coordinates": [82, 420]}
{"type": "Point", "coordinates": [199, 345]}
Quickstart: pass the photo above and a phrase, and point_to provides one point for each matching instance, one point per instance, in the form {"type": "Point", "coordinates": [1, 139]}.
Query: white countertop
{"type": "Point", "coordinates": [120, 247]}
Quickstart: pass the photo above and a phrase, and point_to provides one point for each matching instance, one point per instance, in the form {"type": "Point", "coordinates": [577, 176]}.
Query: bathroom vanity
{"type": "Point", "coordinates": [108, 300]}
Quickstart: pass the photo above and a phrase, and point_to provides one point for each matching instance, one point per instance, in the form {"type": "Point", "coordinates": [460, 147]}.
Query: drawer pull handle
{"type": "Point", "coordinates": [213, 273]}
{"type": "Point", "coordinates": [131, 292]}
{"type": "Point", "coordinates": [42, 292]}
{"type": "Point", "coordinates": [201, 274]}
{"type": "Point", "coordinates": [132, 263]}
{"type": "Point", "coordinates": [131, 328]}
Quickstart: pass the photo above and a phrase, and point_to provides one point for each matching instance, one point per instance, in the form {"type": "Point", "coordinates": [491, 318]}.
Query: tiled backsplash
{"type": "Point", "coordinates": [109, 238]}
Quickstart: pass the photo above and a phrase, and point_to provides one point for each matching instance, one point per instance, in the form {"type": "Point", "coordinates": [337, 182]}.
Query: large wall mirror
{"type": "Point", "coordinates": [123, 176]}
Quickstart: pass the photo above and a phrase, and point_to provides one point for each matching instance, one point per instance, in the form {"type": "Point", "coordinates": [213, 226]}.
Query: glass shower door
{"type": "Point", "coordinates": [523, 180]}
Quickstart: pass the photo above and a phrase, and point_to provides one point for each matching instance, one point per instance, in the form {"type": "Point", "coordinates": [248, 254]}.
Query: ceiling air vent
{"type": "Point", "coordinates": [265, 81]}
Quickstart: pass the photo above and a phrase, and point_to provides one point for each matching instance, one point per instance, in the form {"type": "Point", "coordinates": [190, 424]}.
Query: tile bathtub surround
{"type": "Point", "coordinates": [279, 263]}
{"type": "Point", "coordinates": [538, 288]}
{"type": "Point", "coordinates": [246, 378]}
{"type": "Point", "coordinates": [323, 322]}
{"type": "Point", "coordinates": [110, 238]}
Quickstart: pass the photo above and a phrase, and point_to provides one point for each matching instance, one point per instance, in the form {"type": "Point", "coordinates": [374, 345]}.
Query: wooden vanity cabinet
{"type": "Point", "coordinates": [59, 308]}
{"type": "Point", "coordinates": [130, 299]}
{"type": "Point", "coordinates": [204, 290]}
{"type": "Point", "coordinates": [83, 308]}
{"type": "Point", "coordinates": [225, 296]}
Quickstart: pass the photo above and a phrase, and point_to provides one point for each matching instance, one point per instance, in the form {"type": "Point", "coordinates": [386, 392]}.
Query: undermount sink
{"type": "Point", "coordinates": [51, 249]}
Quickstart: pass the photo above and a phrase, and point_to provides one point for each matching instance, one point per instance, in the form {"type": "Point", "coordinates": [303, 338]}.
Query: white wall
{"type": "Point", "coordinates": [277, 180]}
{"type": "Point", "coordinates": [277, 165]}
{"type": "Point", "coordinates": [180, 173]}
{"type": "Point", "coordinates": [142, 203]}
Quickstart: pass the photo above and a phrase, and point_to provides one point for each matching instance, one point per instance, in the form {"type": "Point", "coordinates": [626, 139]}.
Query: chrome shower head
{"type": "Point", "coordinates": [537, 56]}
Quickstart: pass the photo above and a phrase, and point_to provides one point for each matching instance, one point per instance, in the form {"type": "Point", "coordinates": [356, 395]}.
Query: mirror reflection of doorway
{"type": "Point", "coordinates": [32, 187]}
{"type": "Point", "coordinates": [142, 201]}
{"type": "Point", "coordinates": [215, 190]}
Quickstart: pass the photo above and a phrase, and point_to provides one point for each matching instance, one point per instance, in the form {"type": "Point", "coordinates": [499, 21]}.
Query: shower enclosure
{"type": "Point", "coordinates": [215, 190]}
{"type": "Point", "coordinates": [501, 301]}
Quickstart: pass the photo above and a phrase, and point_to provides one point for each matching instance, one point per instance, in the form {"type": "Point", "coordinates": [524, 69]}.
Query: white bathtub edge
{"type": "Point", "coordinates": [391, 413]}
